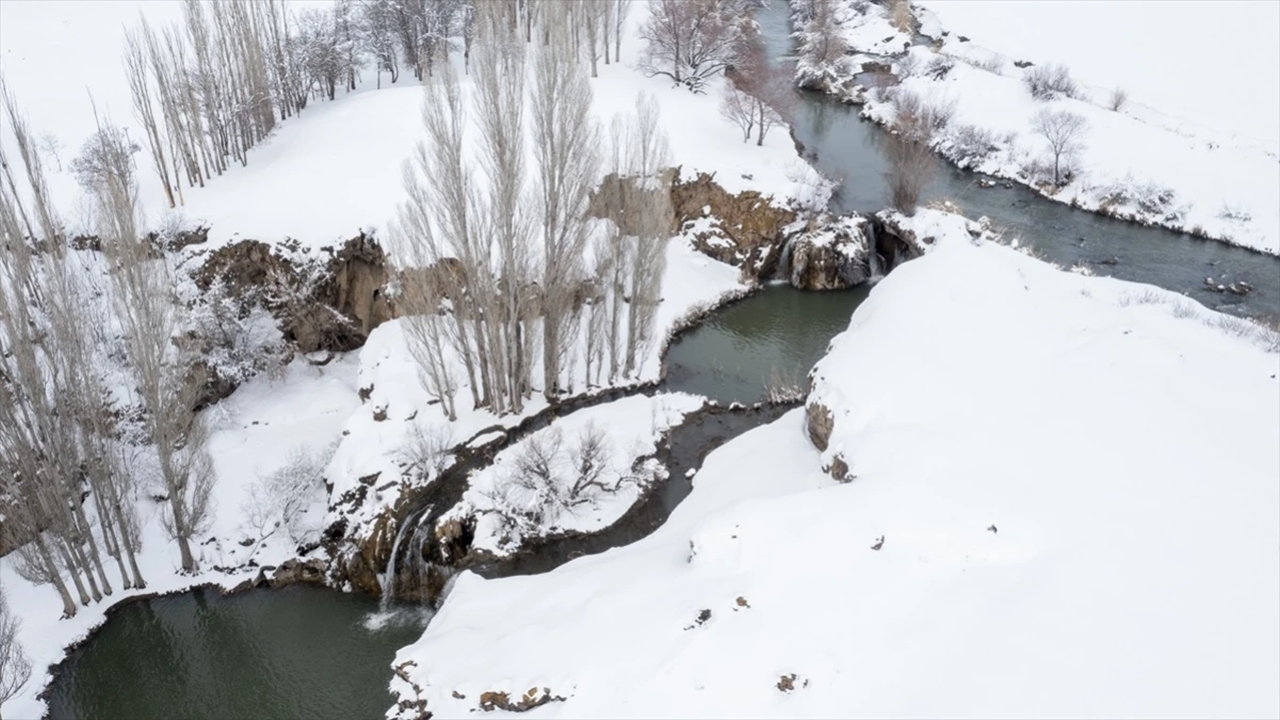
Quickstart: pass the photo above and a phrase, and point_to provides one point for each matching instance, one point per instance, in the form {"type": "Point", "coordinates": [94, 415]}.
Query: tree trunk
{"type": "Point", "coordinates": [68, 605]}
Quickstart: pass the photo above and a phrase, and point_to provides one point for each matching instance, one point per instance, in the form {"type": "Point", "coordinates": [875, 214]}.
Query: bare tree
{"type": "Point", "coordinates": [280, 498]}
{"type": "Point", "coordinates": [15, 666]}
{"type": "Point", "coordinates": [565, 139]}
{"type": "Point", "coordinates": [135, 63]}
{"type": "Point", "coordinates": [822, 44]}
{"type": "Point", "coordinates": [1063, 130]}
{"type": "Point", "coordinates": [907, 149]}
{"type": "Point", "coordinates": [760, 87]}
{"type": "Point", "coordinates": [690, 41]}
{"type": "Point", "coordinates": [51, 146]}
{"type": "Point", "coordinates": [651, 217]}
{"type": "Point", "coordinates": [152, 320]}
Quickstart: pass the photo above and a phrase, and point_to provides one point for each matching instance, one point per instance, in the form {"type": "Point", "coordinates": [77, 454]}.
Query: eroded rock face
{"type": "Point", "coordinates": [818, 424]}
{"type": "Point", "coordinates": [294, 571]}
{"type": "Point", "coordinates": [744, 230]}
{"type": "Point", "coordinates": [321, 304]}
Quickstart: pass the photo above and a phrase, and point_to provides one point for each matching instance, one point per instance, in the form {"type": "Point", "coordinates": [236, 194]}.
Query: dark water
{"type": "Point", "coordinates": [780, 332]}
{"type": "Point", "coordinates": [846, 150]}
{"type": "Point", "coordinates": [299, 652]}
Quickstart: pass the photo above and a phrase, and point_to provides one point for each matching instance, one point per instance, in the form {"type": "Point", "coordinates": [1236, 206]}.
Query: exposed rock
{"type": "Point", "coordinates": [533, 697]}
{"type": "Point", "coordinates": [330, 306]}
{"type": "Point", "coordinates": [294, 571]}
{"type": "Point", "coordinates": [359, 271]}
{"type": "Point", "coordinates": [743, 230]}
{"type": "Point", "coordinates": [839, 469]}
{"type": "Point", "coordinates": [894, 243]}
{"type": "Point", "coordinates": [818, 424]}
{"type": "Point", "coordinates": [831, 256]}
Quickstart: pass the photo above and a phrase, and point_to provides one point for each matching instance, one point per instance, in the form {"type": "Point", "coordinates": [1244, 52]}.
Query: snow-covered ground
{"type": "Point", "coordinates": [255, 432]}
{"type": "Point", "coordinates": [1225, 76]}
{"type": "Point", "coordinates": [590, 455]}
{"type": "Point", "coordinates": [1204, 134]}
{"type": "Point", "coordinates": [1065, 504]}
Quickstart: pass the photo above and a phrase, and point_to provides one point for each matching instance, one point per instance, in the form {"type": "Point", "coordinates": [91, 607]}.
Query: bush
{"type": "Point", "coordinates": [939, 66]}
{"type": "Point", "coordinates": [1119, 97]}
{"type": "Point", "coordinates": [1049, 81]}
{"type": "Point", "coordinates": [970, 145]}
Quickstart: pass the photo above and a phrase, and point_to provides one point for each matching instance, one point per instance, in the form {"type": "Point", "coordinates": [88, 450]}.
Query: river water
{"type": "Point", "coordinates": [307, 652]}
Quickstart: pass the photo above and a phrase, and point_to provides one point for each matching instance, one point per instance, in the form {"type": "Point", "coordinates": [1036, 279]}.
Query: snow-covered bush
{"type": "Point", "coordinates": [237, 337]}
{"type": "Point", "coordinates": [550, 477]}
{"type": "Point", "coordinates": [281, 498]}
{"type": "Point", "coordinates": [939, 66]}
{"type": "Point", "coordinates": [970, 145]}
{"type": "Point", "coordinates": [1049, 81]}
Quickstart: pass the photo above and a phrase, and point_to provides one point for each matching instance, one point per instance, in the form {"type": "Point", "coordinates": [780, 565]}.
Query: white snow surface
{"type": "Point", "coordinates": [631, 427]}
{"type": "Point", "coordinates": [1190, 126]}
{"type": "Point", "coordinates": [1225, 73]}
{"type": "Point", "coordinates": [254, 432]}
{"type": "Point", "coordinates": [1103, 456]}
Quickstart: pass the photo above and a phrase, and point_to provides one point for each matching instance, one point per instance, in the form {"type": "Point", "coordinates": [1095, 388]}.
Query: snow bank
{"type": "Point", "coordinates": [1065, 504]}
{"type": "Point", "coordinates": [254, 432]}
{"type": "Point", "coordinates": [508, 513]}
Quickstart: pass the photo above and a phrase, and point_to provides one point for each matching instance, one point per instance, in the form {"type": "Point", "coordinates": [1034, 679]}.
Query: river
{"type": "Point", "coordinates": [312, 653]}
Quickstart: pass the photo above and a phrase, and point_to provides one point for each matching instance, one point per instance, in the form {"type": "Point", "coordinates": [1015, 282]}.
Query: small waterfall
{"type": "Point", "coordinates": [874, 269]}
{"type": "Point", "coordinates": [389, 577]}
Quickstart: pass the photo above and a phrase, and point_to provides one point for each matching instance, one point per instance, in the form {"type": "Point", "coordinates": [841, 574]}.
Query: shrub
{"type": "Point", "coordinates": [1119, 97]}
{"type": "Point", "coordinates": [1049, 81]}
{"type": "Point", "coordinates": [939, 66]}
{"type": "Point", "coordinates": [970, 145]}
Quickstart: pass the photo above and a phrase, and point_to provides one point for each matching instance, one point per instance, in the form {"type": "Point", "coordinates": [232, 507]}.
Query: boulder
{"type": "Point", "coordinates": [832, 255]}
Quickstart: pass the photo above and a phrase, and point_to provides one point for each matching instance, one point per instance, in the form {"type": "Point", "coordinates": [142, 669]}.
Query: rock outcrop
{"type": "Point", "coordinates": [831, 256]}
{"type": "Point", "coordinates": [744, 230]}
{"type": "Point", "coordinates": [321, 304]}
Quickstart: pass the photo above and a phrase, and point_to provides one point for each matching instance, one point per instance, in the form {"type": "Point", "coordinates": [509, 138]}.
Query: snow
{"type": "Point", "coordinates": [1075, 480]}
{"type": "Point", "coordinates": [254, 432]}
{"type": "Point", "coordinates": [1216, 150]}
{"type": "Point", "coordinates": [631, 428]}
{"type": "Point", "coordinates": [1229, 79]}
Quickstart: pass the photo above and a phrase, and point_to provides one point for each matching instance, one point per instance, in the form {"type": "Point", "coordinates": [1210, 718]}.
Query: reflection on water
{"type": "Point", "coordinates": [299, 652]}
{"type": "Point", "coordinates": [778, 332]}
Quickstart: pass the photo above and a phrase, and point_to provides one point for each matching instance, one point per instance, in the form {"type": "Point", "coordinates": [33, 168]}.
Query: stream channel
{"type": "Point", "coordinates": [308, 652]}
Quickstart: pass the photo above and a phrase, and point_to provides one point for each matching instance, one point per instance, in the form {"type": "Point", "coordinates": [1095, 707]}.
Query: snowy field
{"type": "Point", "coordinates": [254, 433]}
{"type": "Point", "coordinates": [1209, 65]}
{"type": "Point", "coordinates": [1065, 504]}
{"type": "Point", "coordinates": [1196, 145]}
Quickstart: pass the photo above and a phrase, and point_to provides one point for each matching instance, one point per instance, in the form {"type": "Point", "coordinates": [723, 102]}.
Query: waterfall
{"type": "Point", "coordinates": [389, 577]}
{"type": "Point", "coordinates": [874, 270]}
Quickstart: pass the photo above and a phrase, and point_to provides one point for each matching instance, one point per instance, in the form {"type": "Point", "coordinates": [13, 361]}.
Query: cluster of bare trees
{"type": "Point", "coordinates": [67, 484]}
{"type": "Point", "coordinates": [822, 44]}
{"type": "Point", "coordinates": [758, 95]}
{"type": "Point", "coordinates": [504, 277]}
